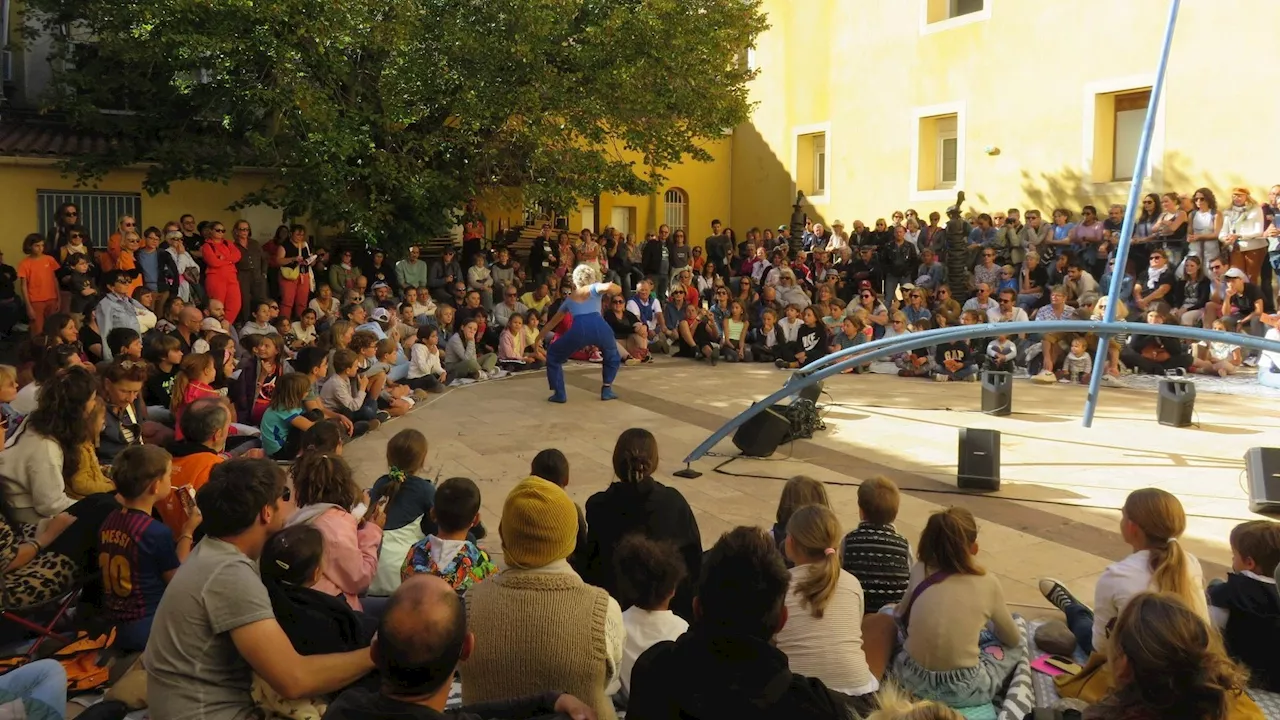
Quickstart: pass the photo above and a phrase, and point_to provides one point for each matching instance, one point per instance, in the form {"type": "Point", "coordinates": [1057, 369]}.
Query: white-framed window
{"type": "Point", "coordinates": [820, 164]}
{"type": "Point", "coordinates": [947, 153]}
{"type": "Point", "coordinates": [676, 209]}
{"type": "Point", "coordinates": [812, 160]}
{"type": "Point", "coordinates": [939, 15]}
{"type": "Point", "coordinates": [99, 211]}
{"type": "Point", "coordinates": [1114, 113]}
{"type": "Point", "coordinates": [938, 151]}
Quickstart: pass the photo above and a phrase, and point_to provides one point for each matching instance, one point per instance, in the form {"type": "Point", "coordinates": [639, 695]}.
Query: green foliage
{"type": "Point", "coordinates": [383, 118]}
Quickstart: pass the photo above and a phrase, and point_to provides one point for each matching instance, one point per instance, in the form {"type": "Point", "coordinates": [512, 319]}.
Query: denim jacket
{"type": "Point", "coordinates": [115, 311]}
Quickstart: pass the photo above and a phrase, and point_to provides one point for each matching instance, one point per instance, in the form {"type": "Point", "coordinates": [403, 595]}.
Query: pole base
{"type": "Point", "coordinates": [687, 473]}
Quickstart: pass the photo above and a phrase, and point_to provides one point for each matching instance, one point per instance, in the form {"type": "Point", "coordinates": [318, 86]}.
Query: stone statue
{"type": "Point", "coordinates": [957, 250]}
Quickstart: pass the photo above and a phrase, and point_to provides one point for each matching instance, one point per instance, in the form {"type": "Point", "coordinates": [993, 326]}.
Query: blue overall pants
{"type": "Point", "coordinates": [588, 329]}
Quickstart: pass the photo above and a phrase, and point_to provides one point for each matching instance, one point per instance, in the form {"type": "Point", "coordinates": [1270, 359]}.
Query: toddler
{"type": "Point", "coordinates": [1078, 364]}
{"type": "Point", "coordinates": [137, 553]}
{"type": "Point", "coordinates": [1245, 607]}
{"type": "Point", "coordinates": [648, 574]}
{"type": "Point", "coordinates": [1001, 353]}
{"type": "Point", "coordinates": [447, 553]}
{"type": "Point", "coordinates": [1218, 357]}
{"type": "Point", "coordinates": [874, 552]}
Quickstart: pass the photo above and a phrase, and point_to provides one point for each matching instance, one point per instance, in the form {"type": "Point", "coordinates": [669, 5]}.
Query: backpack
{"type": "Point", "coordinates": [80, 659]}
{"type": "Point", "coordinates": [804, 419]}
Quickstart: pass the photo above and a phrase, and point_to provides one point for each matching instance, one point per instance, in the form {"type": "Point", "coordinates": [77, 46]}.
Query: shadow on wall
{"type": "Point", "coordinates": [762, 189]}
{"type": "Point", "coordinates": [1070, 188]}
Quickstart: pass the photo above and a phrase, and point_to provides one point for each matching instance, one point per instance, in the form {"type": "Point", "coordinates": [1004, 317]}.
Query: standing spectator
{"type": "Point", "coordinates": [636, 503]}
{"type": "Point", "coordinates": [443, 275]}
{"type": "Point", "coordinates": [538, 626]}
{"type": "Point", "coordinates": [412, 271]}
{"type": "Point", "coordinates": [1242, 240]}
{"type": "Point", "coordinates": [221, 280]}
{"type": "Point", "coordinates": [900, 261]}
{"type": "Point", "coordinates": [543, 256]}
{"type": "Point", "coordinates": [251, 270]}
{"type": "Point", "coordinates": [295, 259]}
{"type": "Point", "coordinates": [215, 628]}
{"type": "Point", "coordinates": [719, 247]}
{"type": "Point", "coordinates": [64, 221]}
{"type": "Point", "coordinates": [38, 283]}
{"type": "Point", "coordinates": [726, 665]}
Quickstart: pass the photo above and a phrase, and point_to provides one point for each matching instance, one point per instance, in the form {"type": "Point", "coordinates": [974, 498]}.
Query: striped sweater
{"type": "Point", "coordinates": [881, 560]}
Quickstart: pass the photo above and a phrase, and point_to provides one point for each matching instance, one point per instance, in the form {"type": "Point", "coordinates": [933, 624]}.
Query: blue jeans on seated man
{"type": "Point", "coordinates": [43, 682]}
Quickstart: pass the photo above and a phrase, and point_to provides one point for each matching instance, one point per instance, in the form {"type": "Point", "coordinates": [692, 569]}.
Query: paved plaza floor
{"type": "Point", "coordinates": [1056, 513]}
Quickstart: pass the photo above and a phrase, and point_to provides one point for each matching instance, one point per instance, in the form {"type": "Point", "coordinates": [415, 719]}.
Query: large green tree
{"type": "Point", "coordinates": [384, 116]}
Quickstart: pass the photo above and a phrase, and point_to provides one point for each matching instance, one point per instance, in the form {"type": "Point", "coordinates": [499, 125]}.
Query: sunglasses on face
{"type": "Point", "coordinates": [219, 230]}
{"type": "Point", "coordinates": [71, 213]}
{"type": "Point", "coordinates": [866, 296]}
{"type": "Point", "coordinates": [678, 292]}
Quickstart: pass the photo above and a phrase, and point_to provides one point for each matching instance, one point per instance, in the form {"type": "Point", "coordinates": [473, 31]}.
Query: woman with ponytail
{"type": "Point", "coordinates": [1169, 665]}
{"type": "Point", "coordinates": [962, 642]}
{"type": "Point", "coordinates": [635, 503]}
{"type": "Point", "coordinates": [1151, 523]}
{"type": "Point", "coordinates": [824, 633]}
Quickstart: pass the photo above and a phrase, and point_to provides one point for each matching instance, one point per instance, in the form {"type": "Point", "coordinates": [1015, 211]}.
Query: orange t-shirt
{"type": "Point", "coordinates": [41, 276]}
{"type": "Point", "coordinates": [126, 262]}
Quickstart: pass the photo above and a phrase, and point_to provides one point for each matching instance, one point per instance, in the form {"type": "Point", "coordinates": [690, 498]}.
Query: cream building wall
{"type": "Point", "coordinates": [1032, 85]}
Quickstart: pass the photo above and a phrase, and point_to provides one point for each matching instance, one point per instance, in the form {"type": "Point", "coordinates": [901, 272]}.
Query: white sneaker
{"type": "Point", "coordinates": [1045, 378]}
{"type": "Point", "coordinates": [1111, 381]}
{"type": "Point", "coordinates": [1064, 381]}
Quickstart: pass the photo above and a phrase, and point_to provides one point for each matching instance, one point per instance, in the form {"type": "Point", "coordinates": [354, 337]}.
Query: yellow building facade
{"type": "Point", "coordinates": [871, 107]}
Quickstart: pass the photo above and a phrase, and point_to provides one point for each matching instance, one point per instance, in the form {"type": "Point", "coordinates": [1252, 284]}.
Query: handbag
{"type": "Point", "coordinates": [289, 272]}
{"type": "Point", "coordinates": [1093, 683]}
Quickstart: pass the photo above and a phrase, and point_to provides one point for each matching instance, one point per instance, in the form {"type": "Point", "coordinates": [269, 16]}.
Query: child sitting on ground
{"type": "Point", "coordinates": [648, 574]}
{"type": "Point", "coordinates": [1221, 358]}
{"type": "Point", "coordinates": [1001, 353]}
{"type": "Point", "coordinates": [125, 343]}
{"type": "Point", "coordinates": [551, 465]}
{"type": "Point", "coordinates": [1078, 364]}
{"type": "Point", "coordinates": [799, 491]}
{"type": "Point", "coordinates": [852, 333]}
{"type": "Point", "coordinates": [396, 397]}
{"type": "Point", "coordinates": [425, 370]}
{"type": "Point", "coordinates": [304, 329]}
{"type": "Point", "coordinates": [286, 418]}
{"type": "Point", "coordinates": [918, 362]}
{"type": "Point", "coordinates": [955, 360]}
{"type": "Point", "coordinates": [514, 352]}
{"type": "Point", "coordinates": [284, 329]}
{"type": "Point", "coordinates": [409, 502]}
{"type": "Point", "coordinates": [874, 552]}
{"type": "Point", "coordinates": [351, 395]}
{"type": "Point", "coordinates": [192, 382]}
{"type": "Point", "coordinates": [447, 553]}
{"type": "Point", "coordinates": [137, 553]}
{"type": "Point", "coordinates": [1246, 608]}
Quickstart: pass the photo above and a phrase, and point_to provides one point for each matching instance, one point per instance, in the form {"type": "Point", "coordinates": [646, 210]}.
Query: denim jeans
{"type": "Point", "coordinates": [43, 680]}
{"type": "Point", "coordinates": [1080, 620]}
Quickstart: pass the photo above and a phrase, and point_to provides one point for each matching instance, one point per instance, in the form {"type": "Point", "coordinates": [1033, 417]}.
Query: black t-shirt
{"type": "Point", "coordinates": [958, 350]}
{"type": "Point", "coordinates": [1242, 303]}
{"type": "Point", "coordinates": [1039, 276]}
{"type": "Point", "coordinates": [8, 280]}
{"type": "Point", "coordinates": [80, 541]}
{"type": "Point", "coordinates": [89, 337]}
{"type": "Point", "coordinates": [157, 389]}
{"type": "Point", "coordinates": [622, 327]}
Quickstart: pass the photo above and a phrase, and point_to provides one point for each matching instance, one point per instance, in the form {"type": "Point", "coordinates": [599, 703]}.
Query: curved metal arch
{"type": "Point", "coordinates": [832, 364]}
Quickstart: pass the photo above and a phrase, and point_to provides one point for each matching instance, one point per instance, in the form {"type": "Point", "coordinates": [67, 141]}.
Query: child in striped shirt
{"type": "Point", "coordinates": [874, 552]}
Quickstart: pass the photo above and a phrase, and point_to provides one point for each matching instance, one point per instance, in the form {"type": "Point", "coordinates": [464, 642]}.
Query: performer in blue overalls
{"type": "Point", "coordinates": [589, 328]}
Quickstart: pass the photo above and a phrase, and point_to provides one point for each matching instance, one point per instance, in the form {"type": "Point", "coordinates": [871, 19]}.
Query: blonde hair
{"type": "Point", "coordinates": [815, 531]}
{"type": "Point", "coordinates": [896, 704]}
{"type": "Point", "coordinates": [1160, 517]}
{"type": "Point", "coordinates": [585, 275]}
{"type": "Point", "coordinates": [799, 491]}
{"type": "Point", "coordinates": [8, 374]}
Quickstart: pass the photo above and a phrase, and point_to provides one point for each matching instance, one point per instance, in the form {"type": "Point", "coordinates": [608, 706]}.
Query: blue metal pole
{"type": "Point", "coordinates": [821, 369]}
{"type": "Point", "coordinates": [1126, 233]}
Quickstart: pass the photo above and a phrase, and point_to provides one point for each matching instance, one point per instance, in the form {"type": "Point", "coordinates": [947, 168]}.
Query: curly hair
{"type": "Point", "coordinates": [63, 412]}
{"type": "Point", "coordinates": [585, 275]}
{"type": "Point", "coordinates": [324, 478]}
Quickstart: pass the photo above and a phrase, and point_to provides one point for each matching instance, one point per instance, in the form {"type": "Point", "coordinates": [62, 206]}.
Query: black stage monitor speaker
{"type": "Point", "coordinates": [1176, 401]}
{"type": "Point", "coordinates": [1262, 465]}
{"type": "Point", "coordinates": [997, 392]}
{"type": "Point", "coordinates": [762, 434]}
{"type": "Point", "coordinates": [812, 393]}
{"type": "Point", "coordinates": [978, 467]}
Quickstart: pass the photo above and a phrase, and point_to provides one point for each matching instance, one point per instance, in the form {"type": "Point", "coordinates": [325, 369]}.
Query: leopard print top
{"type": "Point", "coordinates": [42, 580]}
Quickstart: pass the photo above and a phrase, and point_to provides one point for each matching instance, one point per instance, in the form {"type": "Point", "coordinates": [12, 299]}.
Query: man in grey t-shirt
{"type": "Point", "coordinates": [215, 627]}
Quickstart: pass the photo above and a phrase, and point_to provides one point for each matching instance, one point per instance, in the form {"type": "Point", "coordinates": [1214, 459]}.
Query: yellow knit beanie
{"type": "Point", "coordinates": [539, 524]}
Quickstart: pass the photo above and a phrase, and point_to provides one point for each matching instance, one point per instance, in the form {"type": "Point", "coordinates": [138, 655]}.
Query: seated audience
{"type": "Point", "coordinates": [539, 628]}
{"type": "Point", "coordinates": [551, 465]}
{"type": "Point", "coordinates": [648, 573]}
{"type": "Point", "coordinates": [1245, 607]}
{"type": "Point", "coordinates": [962, 642]}
{"type": "Point", "coordinates": [1170, 665]}
{"type": "Point", "coordinates": [138, 554]}
{"type": "Point", "coordinates": [421, 641]}
{"type": "Point", "coordinates": [1151, 522]}
{"type": "Point", "coordinates": [326, 495]}
{"type": "Point", "coordinates": [636, 503]}
{"type": "Point", "coordinates": [45, 452]}
{"type": "Point", "coordinates": [448, 552]}
{"type": "Point", "coordinates": [726, 666]}
{"type": "Point", "coordinates": [874, 552]}
{"type": "Point", "coordinates": [215, 626]}
{"type": "Point", "coordinates": [287, 417]}
{"type": "Point", "coordinates": [824, 634]}
{"type": "Point", "coordinates": [410, 498]}
{"type": "Point", "coordinates": [799, 491]}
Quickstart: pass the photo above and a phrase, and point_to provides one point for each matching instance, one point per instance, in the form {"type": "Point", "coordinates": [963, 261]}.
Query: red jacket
{"type": "Point", "coordinates": [220, 259]}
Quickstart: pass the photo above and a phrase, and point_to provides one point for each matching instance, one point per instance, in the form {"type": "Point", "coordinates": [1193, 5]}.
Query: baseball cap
{"type": "Point", "coordinates": [836, 224]}
{"type": "Point", "coordinates": [379, 284]}
{"type": "Point", "coordinates": [380, 314]}
{"type": "Point", "coordinates": [212, 324]}
{"type": "Point", "coordinates": [783, 227]}
{"type": "Point", "coordinates": [1236, 273]}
